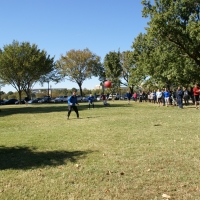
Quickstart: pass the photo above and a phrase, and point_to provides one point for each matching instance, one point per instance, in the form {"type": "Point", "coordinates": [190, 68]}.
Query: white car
{"type": "Point", "coordinates": [79, 98]}
{"type": "Point", "coordinates": [60, 99]}
{"type": "Point", "coordinates": [114, 96]}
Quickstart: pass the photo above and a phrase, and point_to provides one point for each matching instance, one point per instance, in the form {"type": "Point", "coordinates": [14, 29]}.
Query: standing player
{"type": "Point", "coordinates": [196, 92]}
{"type": "Point", "coordinates": [128, 95]}
{"type": "Point", "coordinates": [166, 96]}
{"type": "Point", "coordinates": [91, 101]}
{"type": "Point", "coordinates": [72, 102]}
{"type": "Point", "coordinates": [159, 97]}
{"type": "Point", "coordinates": [179, 95]}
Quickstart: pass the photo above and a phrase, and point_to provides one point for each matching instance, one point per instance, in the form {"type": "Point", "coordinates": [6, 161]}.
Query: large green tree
{"type": "Point", "coordinates": [23, 64]}
{"type": "Point", "coordinates": [79, 65]}
{"type": "Point", "coordinates": [131, 75]}
{"type": "Point", "coordinates": [161, 61]}
{"type": "Point", "coordinates": [178, 22]}
{"type": "Point", "coordinates": [113, 69]}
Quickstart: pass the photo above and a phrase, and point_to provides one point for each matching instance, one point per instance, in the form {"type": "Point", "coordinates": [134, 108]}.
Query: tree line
{"type": "Point", "coordinates": [167, 54]}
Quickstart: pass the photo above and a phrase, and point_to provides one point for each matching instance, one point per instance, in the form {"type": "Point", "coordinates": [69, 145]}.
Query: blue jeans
{"type": "Point", "coordinates": [180, 103]}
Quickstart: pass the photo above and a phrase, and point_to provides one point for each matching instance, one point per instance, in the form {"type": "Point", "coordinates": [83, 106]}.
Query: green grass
{"type": "Point", "coordinates": [136, 151]}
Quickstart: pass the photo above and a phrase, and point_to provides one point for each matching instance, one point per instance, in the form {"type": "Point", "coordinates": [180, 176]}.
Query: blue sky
{"type": "Point", "coordinates": [57, 26]}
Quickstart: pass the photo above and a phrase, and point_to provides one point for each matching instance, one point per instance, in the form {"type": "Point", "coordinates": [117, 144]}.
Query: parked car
{"type": "Point", "coordinates": [45, 100]}
{"type": "Point", "coordinates": [10, 101]}
{"type": "Point", "coordinates": [34, 100]}
{"type": "Point", "coordinates": [114, 96]}
{"type": "Point", "coordinates": [2, 102]}
{"type": "Point", "coordinates": [60, 99]}
{"type": "Point", "coordinates": [52, 100]}
{"type": "Point", "coordinates": [22, 102]}
{"type": "Point", "coordinates": [98, 98]}
{"type": "Point", "coordinates": [123, 97]}
{"type": "Point", "coordinates": [85, 99]}
{"type": "Point", "coordinates": [79, 98]}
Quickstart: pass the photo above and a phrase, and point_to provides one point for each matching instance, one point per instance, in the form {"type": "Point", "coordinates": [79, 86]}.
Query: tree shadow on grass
{"type": "Point", "coordinates": [48, 108]}
{"type": "Point", "coordinates": [23, 158]}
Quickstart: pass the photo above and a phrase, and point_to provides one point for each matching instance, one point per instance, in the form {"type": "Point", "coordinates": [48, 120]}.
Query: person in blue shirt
{"type": "Point", "coordinates": [166, 96]}
{"type": "Point", "coordinates": [90, 101]}
{"type": "Point", "coordinates": [72, 102]}
{"type": "Point", "coordinates": [128, 95]}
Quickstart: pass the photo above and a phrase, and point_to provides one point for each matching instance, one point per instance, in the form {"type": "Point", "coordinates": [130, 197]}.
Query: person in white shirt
{"type": "Point", "coordinates": [159, 97]}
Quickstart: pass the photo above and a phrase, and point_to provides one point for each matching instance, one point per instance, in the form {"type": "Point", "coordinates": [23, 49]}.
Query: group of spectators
{"type": "Point", "coordinates": [165, 97]}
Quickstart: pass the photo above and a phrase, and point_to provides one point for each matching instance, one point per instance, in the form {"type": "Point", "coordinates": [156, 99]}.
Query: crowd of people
{"type": "Point", "coordinates": [177, 97]}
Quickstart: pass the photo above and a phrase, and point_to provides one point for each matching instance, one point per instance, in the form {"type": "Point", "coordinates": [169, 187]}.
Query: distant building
{"type": "Point", "coordinates": [98, 87]}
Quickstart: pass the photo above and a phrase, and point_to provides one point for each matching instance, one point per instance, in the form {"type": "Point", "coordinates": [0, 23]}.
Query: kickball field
{"type": "Point", "coordinates": [119, 152]}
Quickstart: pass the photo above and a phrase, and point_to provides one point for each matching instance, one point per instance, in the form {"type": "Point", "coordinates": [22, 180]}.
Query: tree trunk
{"type": "Point", "coordinates": [28, 93]}
{"type": "Point", "coordinates": [20, 96]}
{"type": "Point", "coordinates": [80, 88]}
{"type": "Point", "coordinates": [131, 89]}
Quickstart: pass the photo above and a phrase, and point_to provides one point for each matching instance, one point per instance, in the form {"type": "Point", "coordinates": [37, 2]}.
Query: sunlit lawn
{"type": "Point", "coordinates": [136, 151]}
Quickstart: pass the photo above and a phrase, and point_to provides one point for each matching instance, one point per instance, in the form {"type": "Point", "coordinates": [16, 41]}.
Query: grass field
{"type": "Point", "coordinates": [126, 152]}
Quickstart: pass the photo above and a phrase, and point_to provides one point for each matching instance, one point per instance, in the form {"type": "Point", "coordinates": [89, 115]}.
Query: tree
{"type": "Point", "coordinates": [178, 23]}
{"type": "Point", "coordinates": [130, 73]}
{"type": "Point", "coordinates": [113, 69]}
{"type": "Point", "coordinates": [78, 66]}
{"type": "Point", "coordinates": [23, 64]}
{"type": "Point", "coordinates": [161, 61]}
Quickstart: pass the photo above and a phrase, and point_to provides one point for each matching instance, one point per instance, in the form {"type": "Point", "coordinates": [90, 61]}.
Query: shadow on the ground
{"type": "Point", "coordinates": [25, 158]}
{"type": "Point", "coordinates": [48, 108]}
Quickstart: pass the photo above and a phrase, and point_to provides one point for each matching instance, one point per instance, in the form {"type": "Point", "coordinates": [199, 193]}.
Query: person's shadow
{"type": "Point", "coordinates": [26, 158]}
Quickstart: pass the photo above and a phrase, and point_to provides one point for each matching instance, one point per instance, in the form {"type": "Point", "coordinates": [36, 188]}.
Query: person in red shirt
{"type": "Point", "coordinates": [196, 92]}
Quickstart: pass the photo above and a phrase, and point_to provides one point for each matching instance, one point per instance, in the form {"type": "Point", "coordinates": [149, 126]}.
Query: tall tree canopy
{"type": "Point", "coordinates": [113, 68]}
{"type": "Point", "coordinates": [177, 22]}
{"type": "Point", "coordinates": [169, 53]}
{"type": "Point", "coordinates": [23, 64]}
{"type": "Point", "coordinates": [131, 74]}
{"type": "Point", "coordinates": [79, 65]}
{"type": "Point", "coordinates": [161, 61]}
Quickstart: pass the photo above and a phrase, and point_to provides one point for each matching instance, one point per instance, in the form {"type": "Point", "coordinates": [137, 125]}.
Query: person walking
{"type": "Point", "coordinates": [180, 97]}
{"type": "Point", "coordinates": [135, 96]}
{"type": "Point", "coordinates": [196, 92]}
{"type": "Point", "coordinates": [72, 102]}
{"type": "Point", "coordinates": [91, 101]}
{"type": "Point", "coordinates": [128, 95]}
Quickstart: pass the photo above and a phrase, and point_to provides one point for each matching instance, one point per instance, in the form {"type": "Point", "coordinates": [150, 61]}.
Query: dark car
{"type": "Point", "coordinates": [2, 102]}
{"type": "Point", "coordinates": [10, 101]}
{"type": "Point", "coordinates": [22, 102]}
{"type": "Point", "coordinates": [45, 100]}
{"type": "Point", "coordinates": [34, 100]}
